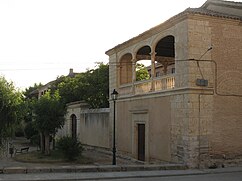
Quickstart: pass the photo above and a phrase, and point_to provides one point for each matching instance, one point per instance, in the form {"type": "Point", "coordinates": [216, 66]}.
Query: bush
{"type": "Point", "coordinates": [69, 147]}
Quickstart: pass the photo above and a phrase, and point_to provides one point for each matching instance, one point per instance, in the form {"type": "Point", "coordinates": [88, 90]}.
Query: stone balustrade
{"type": "Point", "coordinates": [145, 86]}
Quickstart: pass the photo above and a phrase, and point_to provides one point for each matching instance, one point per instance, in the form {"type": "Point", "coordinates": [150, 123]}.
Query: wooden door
{"type": "Point", "coordinates": [141, 142]}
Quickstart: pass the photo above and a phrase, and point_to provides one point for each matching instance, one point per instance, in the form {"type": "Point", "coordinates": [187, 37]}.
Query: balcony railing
{"type": "Point", "coordinates": [164, 83]}
{"type": "Point", "coordinates": [141, 87]}
{"type": "Point", "coordinates": [146, 86]}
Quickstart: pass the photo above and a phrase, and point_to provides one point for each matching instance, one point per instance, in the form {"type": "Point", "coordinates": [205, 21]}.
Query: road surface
{"type": "Point", "coordinates": [236, 176]}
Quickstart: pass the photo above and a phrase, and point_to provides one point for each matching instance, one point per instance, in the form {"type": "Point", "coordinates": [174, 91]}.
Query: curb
{"type": "Point", "coordinates": [115, 175]}
{"type": "Point", "coordinates": [104, 168]}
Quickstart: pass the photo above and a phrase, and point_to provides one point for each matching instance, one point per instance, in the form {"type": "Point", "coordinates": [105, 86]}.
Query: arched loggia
{"type": "Point", "coordinates": [165, 56]}
{"type": "Point", "coordinates": [143, 63]}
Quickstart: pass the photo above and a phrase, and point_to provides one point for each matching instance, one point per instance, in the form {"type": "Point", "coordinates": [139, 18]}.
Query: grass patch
{"type": "Point", "coordinates": [54, 157]}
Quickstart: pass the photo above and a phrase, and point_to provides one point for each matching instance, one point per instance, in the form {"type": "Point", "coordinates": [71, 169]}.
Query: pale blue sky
{"type": "Point", "coordinates": [41, 39]}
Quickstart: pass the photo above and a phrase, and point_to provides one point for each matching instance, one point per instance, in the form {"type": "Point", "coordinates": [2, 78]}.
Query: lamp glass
{"type": "Point", "coordinates": [114, 95]}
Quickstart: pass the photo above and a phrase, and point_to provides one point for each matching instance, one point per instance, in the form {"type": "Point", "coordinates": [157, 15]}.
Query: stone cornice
{"type": "Point", "coordinates": [231, 4]}
{"type": "Point", "coordinates": [163, 93]}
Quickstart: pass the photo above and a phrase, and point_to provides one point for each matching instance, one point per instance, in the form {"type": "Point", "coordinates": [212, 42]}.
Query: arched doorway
{"type": "Point", "coordinates": [73, 126]}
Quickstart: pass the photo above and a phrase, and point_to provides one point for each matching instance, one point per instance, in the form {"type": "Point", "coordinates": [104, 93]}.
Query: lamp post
{"type": "Point", "coordinates": [114, 96]}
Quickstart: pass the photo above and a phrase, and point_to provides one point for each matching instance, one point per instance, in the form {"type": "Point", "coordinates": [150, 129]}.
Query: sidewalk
{"type": "Point", "coordinates": [99, 170]}
{"type": "Point", "coordinates": [101, 162]}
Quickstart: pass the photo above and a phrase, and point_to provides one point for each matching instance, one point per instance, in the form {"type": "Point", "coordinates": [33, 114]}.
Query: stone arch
{"type": "Point", "coordinates": [165, 55]}
{"type": "Point", "coordinates": [125, 69]}
{"type": "Point", "coordinates": [73, 126]}
{"type": "Point", "coordinates": [159, 37]}
{"type": "Point", "coordinates": [143, 53]}
{"type": "Point", "coordinates": [143, 58]}
{"type": "Point", "coordinates": [141, 45]}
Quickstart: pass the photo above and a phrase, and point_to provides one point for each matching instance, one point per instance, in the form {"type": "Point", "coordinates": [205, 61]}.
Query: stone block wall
{"type": "Point", "coordinates": [154, 112]}
{"type": "Point", "coordinates": [95, 127]}
{"type": "Point", "coordinates": [225, 139]}
{"type": "Point", "coordinates": [190, 126]}
{"type": "Point", "coordinates": [212, 130]}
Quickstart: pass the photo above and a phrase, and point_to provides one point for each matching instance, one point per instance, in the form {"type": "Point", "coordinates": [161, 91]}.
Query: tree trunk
{"type": "Point", "coordinates": [47, 143]}
{"type": "Point", "coordinates": [53, 140]}
{"type": "Point", "coordinates": [42, 142]}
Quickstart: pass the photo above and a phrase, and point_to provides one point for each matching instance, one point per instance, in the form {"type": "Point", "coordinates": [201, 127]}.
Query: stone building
{"type": "Point", "coordinates": [191, 115]}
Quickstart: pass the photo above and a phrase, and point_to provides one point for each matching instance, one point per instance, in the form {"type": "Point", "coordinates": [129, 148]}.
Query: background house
{"type": "Point", "coordinates": [43, 89]}
{"type": "Point", "coordinates": [192, 115]}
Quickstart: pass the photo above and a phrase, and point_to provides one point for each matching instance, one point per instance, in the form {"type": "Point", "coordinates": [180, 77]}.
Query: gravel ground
{"type": "Point", "coordinates": [97, 157]}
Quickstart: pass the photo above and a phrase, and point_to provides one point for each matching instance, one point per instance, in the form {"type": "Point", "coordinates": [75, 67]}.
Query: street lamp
{"type": "Point", "coordinates": [114, 96]}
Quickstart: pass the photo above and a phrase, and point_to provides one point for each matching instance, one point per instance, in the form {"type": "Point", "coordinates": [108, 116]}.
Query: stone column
{"type": "Point", "coordinates": [133, 74]}
{"type": "Point", "coordinates": [153, 53]}
{"type": "Point", "coordinates": [165, 64]}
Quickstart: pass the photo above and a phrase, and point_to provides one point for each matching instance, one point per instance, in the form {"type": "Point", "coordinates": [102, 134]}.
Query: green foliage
{"type": "Point", "coordinates": [141, 72]}
{"type": "Point", "coordinates": [10, 107]}
{"type": "Point", "coordinates": [49, 113]}
{"type": "Point", "coordinates": [71, 89]}
{"type": "Point", "coordinates": [97, 87]}
{"type": "Point", "coordinates": [91, 86]}
{"type": "Point", "coordinates": [69, 147]}
{"type": "Point", "coordinates": [27, 109]}
{"type": "Point", "coordinates": [30, 130]}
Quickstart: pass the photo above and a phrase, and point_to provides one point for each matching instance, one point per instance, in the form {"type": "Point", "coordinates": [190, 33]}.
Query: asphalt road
{"type": "Point", "coordinates": [127, 176]}
{"type": "Point", "coordinates": [236, 176]}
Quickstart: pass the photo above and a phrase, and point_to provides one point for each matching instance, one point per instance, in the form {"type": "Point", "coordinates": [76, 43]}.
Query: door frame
{"type": "Point", "coordinates": [73, 126]}
{"type": "Point", "coordinates": [140, 117]}
{"type": "Point", "coordinates": [141, 142]}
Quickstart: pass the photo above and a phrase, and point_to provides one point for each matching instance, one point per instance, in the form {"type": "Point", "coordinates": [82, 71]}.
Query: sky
{"type": "Point", "coordinates": [43, 39]}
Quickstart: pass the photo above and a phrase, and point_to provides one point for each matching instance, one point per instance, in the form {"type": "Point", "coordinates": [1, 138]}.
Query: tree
{"type": "Point", "coordinates": [97, 86]}
{"type": "Point", "coordinates": [30, 97]}
{"type": "Point", "coordinates": [49, 114]}
{"type": "Point", "coordinates": [141, 72]}
{"type": "Point", "coordinates": [10, 107]}
{"type": "Point", "coordinates": [29, 92]}
{"type": "Point", "coordinates": [91, 86]}
{"type": "Point", "coordinates": [71, 89]}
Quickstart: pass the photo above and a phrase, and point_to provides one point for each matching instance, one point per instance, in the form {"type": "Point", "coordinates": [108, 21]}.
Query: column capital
{"type": "Point", "coordinates": [133, 60]}
{"type": "Point", "coordinates": [153, 53]}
